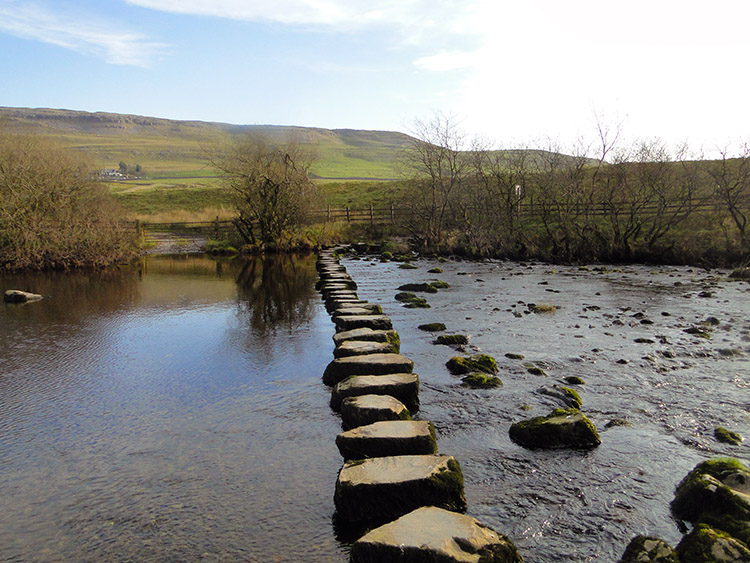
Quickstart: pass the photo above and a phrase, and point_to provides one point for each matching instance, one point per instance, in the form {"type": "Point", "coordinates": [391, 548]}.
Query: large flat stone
{"type": "Point", "coordinates": [388, 438]}
{"type": "Point", "coordinates": [370, 364]}
{"type": "Point", "coordinates": [375, 322]}
{"type": "Point", "coordinates": [352, 310]}
{"type": "Point", "coordinates": [364, 348]}
{"type": "Point", "coordinates": [366, 333]}
{"type": "Point", "coordinates": [402, 386]}
{"type": "Point", "coordinates": [366, 409]}
{"type": "Point", "coordinates": [340, 294]}
{"type": "Point", "coordinates": [388, 487]}
{"type": "Point", "coordinates": [431, 534]}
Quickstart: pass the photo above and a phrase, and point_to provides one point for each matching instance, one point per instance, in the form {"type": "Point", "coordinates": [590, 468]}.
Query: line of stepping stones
{"type": "Point", "coordinates": [403, 498]}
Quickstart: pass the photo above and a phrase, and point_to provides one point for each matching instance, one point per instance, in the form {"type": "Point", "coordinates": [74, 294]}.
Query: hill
{"type": "Point", "coordinates": [165, 147]}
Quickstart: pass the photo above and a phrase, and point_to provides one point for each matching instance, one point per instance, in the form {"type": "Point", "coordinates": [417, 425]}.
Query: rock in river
{"type": "Point", "coordinates": [375, 322]}
{"type": "Point", "coordinates": [643, 549]}
{"type": "Point", "coordinates": [370, 364]}
{"type": "Point", "coordinates": [368, 334]}
{"type": "Point", "coordinates": [402, 386]}
{"type": "Point", "coordinates": [366, 409]}
{"type": "Point", "coordinates": [18, 296]}
{"type": "Point", "coordinates": [562, 428]}
{"type": "Point", "coordinates": [388, 487]}
{"type": "Point", "coordinates": [363, 348]}
{"type": "Point", "coordinates": [387, 438]}
{"type": "Point", "coordinates": [431, 534]}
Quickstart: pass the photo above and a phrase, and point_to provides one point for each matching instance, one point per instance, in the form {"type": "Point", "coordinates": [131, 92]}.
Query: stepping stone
{"type": "Point", "coordinates": [366, 409]}
{"type": "Point", "coordinates": [340, 294]}
{"type": "Point", "coordinates": [375, 322]}
{"type": "Point", "coordinates": [328, 288]}
{"type": "Point", "coordinates": [349, 311]}
{"type": "Point", "coordinates": [434, 534]}
{"type": "Point", "coordinates": [371, 364]}
{"type": "Point", "coordinates": [388, 438]}
{"type": "Point", "coordinates": [402, 386]}
{"type": "Point", "coordinates": [363, 348]}
{"type": "Point", "coordinates": [366, 333]}
{"type": "Point", "coordinates": [388, 487]}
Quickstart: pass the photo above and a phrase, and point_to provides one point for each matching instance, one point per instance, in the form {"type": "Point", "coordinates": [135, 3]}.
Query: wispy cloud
{"type": "Point", "coordinates": [90, 36]}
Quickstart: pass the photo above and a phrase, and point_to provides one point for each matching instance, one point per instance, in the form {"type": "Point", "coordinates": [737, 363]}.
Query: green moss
{"type": "Point", "coordinates": [451, 479]}
{"type": "Point", "coordinates": [573, 395]}
{"type": "Point", "coordinates": [432, 327]}
{"type": "Point", "coordinates": [440, 284]}
{"type": "Point", "coordinates": [702, 496]}
{"type": "Point", "coordinates": [513, 356]}
{"type": "Point", "coordinates": [435, 271]}
{"type": "Point", "coordinates": [408, 266]}
{"type": "Point", "coordinates": [417, 303]}
{"type": "Point", "coordinates": [556, 430]}
{"type": "Point", "coordinates": [535, 370]}
{"type": "Point", "coordinates": [541, 308]}
{"type": "Point", "coordinates": [484, 363]}
{"type": "Point", "coordinates": [405, 296]}
{"type": "Point", "coordinates": [423, 287]}
{"type": "Point", "coordinates": [386, 255]}
{"type": "Point", "coordinates": [481, 380]}
{"type": "Point", "coordinates": [574, 380]}
{"type": "Point", "coordinates": [653, 550]}
{"type": "Point", "coordinates": [700, 546]}
{"type": "Point", "coordinates": [452, 339]}
{"type": "Point", "coordinates": [727, 436]}
{"type": "Point", "coordinates": [392, 337]}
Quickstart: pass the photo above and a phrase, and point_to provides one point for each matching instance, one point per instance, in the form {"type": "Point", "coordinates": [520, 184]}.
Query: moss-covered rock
{"type": "Point", "coordinates": [417, 303]}
{"type": "Point", "coordinates": [481, 380]}
{"type": "Point", "coordinates": [562, 428]}
{"type": "Point", "coordinates": [727, 436]}
{"type": "Point", "coordinates": [423, 287]}
{"type": "Point", "coordinates": [407, 266]}
{"type": "Point", "coordinates": [716, 492]}
{"type": "Point", "coordinates": [644, 549]}
{"type": "Point", "coordinates": [564, 396]}
{"type": "Point", "coordinates": [514, 356]}
{"type": "Point", "coordinates": [708, 545]}
{"type": "Point", "coordinates": [574, 380]}
{"type": "Point", "coordinates": [535, 370]}
{"type": "Point", "coordinates": [452, 339]}
{"type": "Point", "coordinates": [405, 296]}
{"type": "Point", "coordinates": [440, 284]}
{"type": "Point", "coordinates": [484, 363]}
{"type": "Point", "coordinates": [435, 271]}
{"type": "Point", "coordinates": [432, 327]}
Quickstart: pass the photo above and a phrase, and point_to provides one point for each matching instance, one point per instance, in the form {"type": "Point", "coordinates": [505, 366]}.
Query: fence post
{"type": "Point", "coordinates": [372, 218]}
{"type": "Point", "coordinates": [328, 214]}
{"type": "Point", "coordinates": [348, 218]}
{"type": "Point", "coordinates": [392, 216]}
{"type": "Point", "coordinates": [216, 227]}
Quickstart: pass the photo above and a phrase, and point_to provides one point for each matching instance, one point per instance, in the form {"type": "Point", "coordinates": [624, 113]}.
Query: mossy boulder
{"type": "Point", "coordinates": [727, 436]}
{"type": "Point", "coordinates": [417, 303]}
{"type": "Point", "coordinates": [459, 365]}
{"type": "Point", "coordinates": [564, 396]}
{"type": "Point", "coordinates": [440, 284]}
{"type": "Point", "coordinates": [716, 492]}
{"type": "Point", "coordinates": [388, 487]}
{"type": "Point", "coordinates": [405, 296]}
{"type": "Point", "coordinates": [366, 409]}
{"type": "Point", "coordinates": [562, 428]}
{"type": "Point", "coordinates": [407, 266]}
{"type": "Point", "coordinates": [452, 339]}
{"type": "Point", "coordinates": [644, 549]}
{"type": "Point", "coordinates": [534, 370]}
{"type": "Point", "coordinates": [435, 271]}
{"type": "Point", "coordinates": [431, 534]}
{"type": "Point", "coordinates": [514, 356]}
{"type": "Point", "coordinates": [432, 327]}
{"type": "Point", "coordinates": [481, 380]}
{"type": "Point", "coordinates": [708, 545]}
{"type": "Point", "coordinates": [422, 287]}
{"type": "Point", "coordinates": [574, 380]}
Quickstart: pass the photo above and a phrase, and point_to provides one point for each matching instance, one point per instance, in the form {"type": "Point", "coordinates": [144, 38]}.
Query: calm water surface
{"type": "Point", "coordinates": [172, 412]}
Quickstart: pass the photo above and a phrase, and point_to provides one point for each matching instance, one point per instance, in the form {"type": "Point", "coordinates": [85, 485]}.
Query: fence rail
{"type": "Point", "coordinates": [390, 214]}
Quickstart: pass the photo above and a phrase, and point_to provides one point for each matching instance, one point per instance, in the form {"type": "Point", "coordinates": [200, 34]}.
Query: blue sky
{"type": "Point", "coordinates": [507, 71]}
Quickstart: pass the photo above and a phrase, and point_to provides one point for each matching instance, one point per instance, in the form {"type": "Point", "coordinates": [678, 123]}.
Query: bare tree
{"type": "Point", "coordinates": [270, 180]}
{"type": "Point", "coordinates": [731, 177]}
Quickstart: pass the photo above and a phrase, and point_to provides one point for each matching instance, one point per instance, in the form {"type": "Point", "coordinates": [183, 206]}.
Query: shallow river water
{"type": "Point", "coordinates": [175, 412]}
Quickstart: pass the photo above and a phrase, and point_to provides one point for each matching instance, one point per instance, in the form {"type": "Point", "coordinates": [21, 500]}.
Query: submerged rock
{"type": "Point", "coordinates": [18, 296]}
{"type": "Point", "coordinates": [452, 339]}
{"type": "Point", "coordinates": [366, 409]}
{"type": "Point", "coordinates": [564, 396]}
{"type": "Point", "coordinates": [423, 287]}
{"type": "Point", "coordinates": [727, 436]}
{"type": "Point", "coordinates": [370, 364]}
{"type": "Point", "coordinates": [388, 487]}
{"type": "Point", "coordinates": [388, 438]}
{"type": "Point", "coordinates": [432, 327]}
{"type": "Point", "coordinates": [643, 549]}
{"type": "Point", "coordinates": [484, 363]}
{"type": "Point", "coordinates": [562, 428]}
{"type": "Point", "coordinates": [481, 380]}
{"type": "Point", "coordinates": [431, 534]}
{"type": "Point", "coordinates": [708, 545]}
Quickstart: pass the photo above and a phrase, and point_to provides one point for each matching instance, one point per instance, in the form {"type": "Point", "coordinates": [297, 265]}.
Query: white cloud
{"type": "Point", "coordinates": [92, 36]}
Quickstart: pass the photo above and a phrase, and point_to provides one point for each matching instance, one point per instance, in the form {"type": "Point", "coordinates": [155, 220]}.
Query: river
{"type": "Point", "coordinates": [174, 411]}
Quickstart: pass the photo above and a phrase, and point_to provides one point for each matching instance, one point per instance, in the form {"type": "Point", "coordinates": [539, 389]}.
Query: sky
{"type": "Point", "coordinates": [507, 72]}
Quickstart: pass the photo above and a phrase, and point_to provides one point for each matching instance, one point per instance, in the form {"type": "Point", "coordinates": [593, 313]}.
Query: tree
{"type": "Point", "coordinates": [271, 182]}
{"type": "Point", "coordinates": [731, 178]}
{"type": "Point", "coordinates": [53, 214]}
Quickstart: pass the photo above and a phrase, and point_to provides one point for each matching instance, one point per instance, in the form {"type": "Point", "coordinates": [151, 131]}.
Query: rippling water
{"type": "Point", "coordinates": [175, 411]}
{"type": "Point", "coordinates": [572, 505]}
{"type": "Point", "coordinates": [171, 412]}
